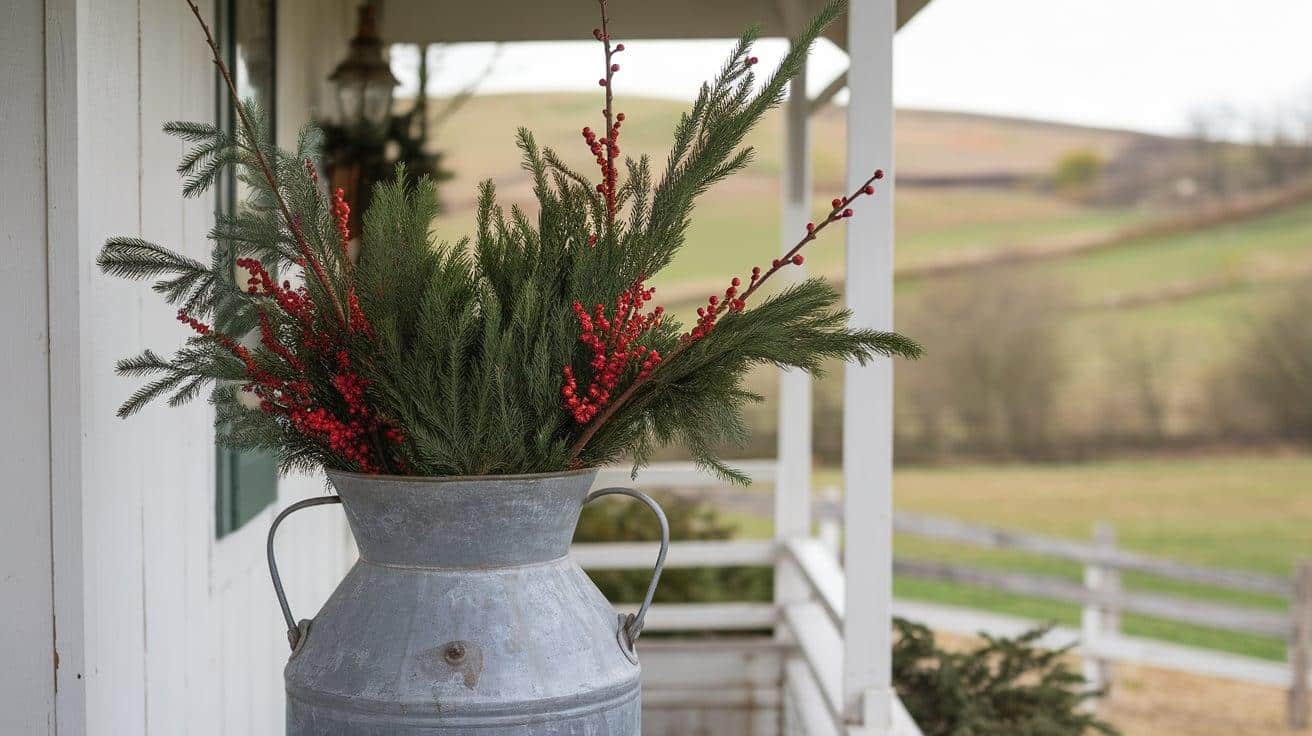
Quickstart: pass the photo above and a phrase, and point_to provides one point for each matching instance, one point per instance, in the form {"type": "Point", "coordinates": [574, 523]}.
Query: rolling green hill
{"type": "Point", "coordinates": [1188, 290]}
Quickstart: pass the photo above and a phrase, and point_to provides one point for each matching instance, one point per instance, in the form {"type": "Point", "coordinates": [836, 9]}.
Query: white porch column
{"type": "Point", "coordinates": [792, 494]}
{"type": "Point", "coordinates": [868, 391]}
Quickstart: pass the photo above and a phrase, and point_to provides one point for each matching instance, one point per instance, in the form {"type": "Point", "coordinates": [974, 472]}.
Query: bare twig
{"type": "Point", "coordinates": [292, 224]}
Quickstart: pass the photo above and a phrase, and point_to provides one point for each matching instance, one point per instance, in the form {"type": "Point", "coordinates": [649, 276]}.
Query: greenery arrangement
{"type": "Point", "coordinates": [1004, 687]}
{"type": "Point", "coordinates": [528, 347]}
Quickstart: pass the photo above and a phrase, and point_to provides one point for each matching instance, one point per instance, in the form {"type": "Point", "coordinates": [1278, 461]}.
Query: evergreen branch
{"type": "Point", "coordinates": [193, 132]}
{"type": "Point", "coordinates": [838, 212]}
{"type": "Point", "coordinates": [262, 161]}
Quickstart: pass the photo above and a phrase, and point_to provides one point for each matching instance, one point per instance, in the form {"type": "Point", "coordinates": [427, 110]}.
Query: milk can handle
{"type": "Point", "coordinates": [631, 625]}
{"type": "Point", "coordinates": [295, 632]}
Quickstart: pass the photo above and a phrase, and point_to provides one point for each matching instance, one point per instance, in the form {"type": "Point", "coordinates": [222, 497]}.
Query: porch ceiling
{"type": "Point", "coordinates": [426, 21]}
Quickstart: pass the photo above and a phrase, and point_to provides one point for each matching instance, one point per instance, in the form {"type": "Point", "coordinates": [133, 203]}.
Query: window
{"type": "Point", "coordinates": [245, 482]}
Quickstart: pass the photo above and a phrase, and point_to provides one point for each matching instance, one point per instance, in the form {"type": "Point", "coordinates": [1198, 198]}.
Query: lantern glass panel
{"type": "Point", "coordinates": [377, 101]}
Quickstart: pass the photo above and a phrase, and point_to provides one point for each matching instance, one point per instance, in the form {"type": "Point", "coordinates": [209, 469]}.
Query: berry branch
{"type": "Point", "coordinates": [293, 224]}
{"type": "Point", "coordinates": [607, 149]}
{"type": "Point", "coordinates": [733, 301]}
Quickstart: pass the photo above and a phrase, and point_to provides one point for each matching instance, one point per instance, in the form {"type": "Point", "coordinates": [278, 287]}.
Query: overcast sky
{"type": "Point", "coordinates": [1140, 64]}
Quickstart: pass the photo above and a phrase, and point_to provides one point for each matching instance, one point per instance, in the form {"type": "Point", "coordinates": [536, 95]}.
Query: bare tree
{"type": "Point", "coordinates": [994, 364]}
{"type": "Point", "coordinates": [1210, 128]}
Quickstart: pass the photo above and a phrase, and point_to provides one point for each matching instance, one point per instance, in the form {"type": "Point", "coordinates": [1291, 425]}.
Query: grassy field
{"type": "Point", "coordinates": [1189, 294]}
{"type": "Point", "coordinates": [1245, 512]}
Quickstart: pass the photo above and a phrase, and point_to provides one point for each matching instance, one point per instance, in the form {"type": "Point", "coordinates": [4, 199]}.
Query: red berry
{"type": "Point", "coordinates": [836, 202]}
{"type": "Point", "coordinates": [614, 67]}
{"type": "Point", "coordinates": [620, 117]}
{"type": "Point", "coordinates": [879, 173]}
{"type": "Point", "coordinates": [869, 189]}
{"type": "Point", "coordinates": [619, 47]}
{"type": "Point", "coordinates": [601, 82]}
{"type": "Point", "coordinates": [847, 212]}
{"type": "Point", "coordinates": [797, 259]}
{"type": "Point", "coordinates": [810, 227]}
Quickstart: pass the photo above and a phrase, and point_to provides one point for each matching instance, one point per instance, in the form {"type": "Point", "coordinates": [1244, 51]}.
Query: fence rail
{"type": "Point", "coordinates": [951, 530]}
{"type": "Point", "coordinates": [1103, 599]}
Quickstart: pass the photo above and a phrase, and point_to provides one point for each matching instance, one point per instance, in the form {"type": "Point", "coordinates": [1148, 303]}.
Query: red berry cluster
{"type": "Point", "coordinates": [735, 302]}
{"type": "Point", "coordinates": [350, 437]}
{"type": "Point", "coordinates": [613, 343]}
{"type": "Point", "coordinates": [342, 216]}
{"type": "Point", "coordinates": [606, 148]}
{"type": "Point", "coordinates": [295, 302]}
{"type": "Point", "coordinates": [707, 315]}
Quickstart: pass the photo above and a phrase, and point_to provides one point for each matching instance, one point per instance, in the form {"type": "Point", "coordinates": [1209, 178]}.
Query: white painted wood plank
{"type": "Point", "coordinates": [63, 231]}
{"type": "Point", "coordinates": [175, 477]}
{"type": "Point", "coordinates": [194, 469]}
{"type": "Point", "coordinates": [711, 663]}
{"type": "Point", "coordinates": [27, 640]}
{"type": "Point", "coordinates": [989, 537]}
{"type": "Point", "coordinates": [707, 616]}
{"type": "Point", "coordinates": [822, 574]}
{"type": "Point", "coordinates": [1247, 619]}
{"type": "Point", "coordinates": [717, 698]}
{"type": "Point", "coordinates": [114, 452]}
{"type": "Point", "coordinates": [810, 711]}
{"type": "Point", "coordinates": [821, 644]}
{"type": "Point", "coordinates": [868, 390]}
{"type": "Point", "coordinates": [642, 555]}
{"type": "Point", "coordinates": [682, 475]}
{"type": "Point", "coordinates": [1134, 650]}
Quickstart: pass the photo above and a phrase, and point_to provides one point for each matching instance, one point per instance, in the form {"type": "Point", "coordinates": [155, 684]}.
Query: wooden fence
{"type": "Point", "coordinates": [1104, 599]}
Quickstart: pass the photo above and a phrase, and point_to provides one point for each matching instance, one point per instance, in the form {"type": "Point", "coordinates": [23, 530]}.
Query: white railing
{"type": "Point", "coordinates": [810, 668]}
{"type": "Point", "coordinates": [818, 625]}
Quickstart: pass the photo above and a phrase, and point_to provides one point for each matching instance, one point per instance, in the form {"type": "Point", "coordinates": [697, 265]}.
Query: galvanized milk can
{"type": "Point", "coordinates": [464, 616]}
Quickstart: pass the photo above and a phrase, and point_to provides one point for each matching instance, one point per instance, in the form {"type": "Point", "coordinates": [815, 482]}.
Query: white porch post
{"type": "Point", "coordinates": [792, 494]}
{"type": "Point", "coordinates": [868, 391]}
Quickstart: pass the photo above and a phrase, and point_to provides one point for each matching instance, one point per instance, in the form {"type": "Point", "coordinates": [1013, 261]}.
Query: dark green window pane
{"type": "Point", "coordinates": [246, 482]}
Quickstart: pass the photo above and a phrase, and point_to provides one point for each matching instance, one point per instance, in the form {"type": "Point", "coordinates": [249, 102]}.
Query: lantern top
{"type": "Point", "coordinates": [365, 61]}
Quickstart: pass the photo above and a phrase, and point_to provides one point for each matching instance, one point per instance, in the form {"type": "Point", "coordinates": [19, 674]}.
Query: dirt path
{"type": "Point", "coordinates": [1147, 701]}
{"type": "Point", "coordinates": [1153, 702]}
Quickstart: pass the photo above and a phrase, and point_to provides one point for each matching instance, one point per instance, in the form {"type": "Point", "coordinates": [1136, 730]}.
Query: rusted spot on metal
{"type": "Point", "coordinates": [463, 657]}
{"type": "Point", "coordinates": [455, 653]}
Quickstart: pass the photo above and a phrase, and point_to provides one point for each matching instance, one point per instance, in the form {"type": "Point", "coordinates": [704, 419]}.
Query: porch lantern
{"type": "Point", "coordinates": [364, 79]}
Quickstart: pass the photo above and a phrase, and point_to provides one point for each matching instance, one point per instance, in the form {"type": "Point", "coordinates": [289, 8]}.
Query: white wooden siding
{"type": "Point", "coordinates": [27, 679]}
{"type": "Point", "coordinates": [108, 542]}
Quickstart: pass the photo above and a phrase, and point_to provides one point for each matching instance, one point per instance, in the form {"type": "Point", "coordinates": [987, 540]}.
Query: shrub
{"type": "Point", "coordinates": [1077, 171]}
{"type": "Point", "coordinates": [1004, 687]}
{"type": "Point", "coordinates": [620, 521]}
